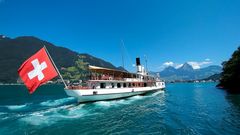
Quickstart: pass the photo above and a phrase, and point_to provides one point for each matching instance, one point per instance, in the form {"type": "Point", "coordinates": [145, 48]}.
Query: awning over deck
{"type": "Point", "coordinates": [108, 71]}
{"type": "Point", "coordinates": [101, 73]}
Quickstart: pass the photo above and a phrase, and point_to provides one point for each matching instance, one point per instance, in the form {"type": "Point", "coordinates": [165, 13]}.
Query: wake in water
{"type": "Point", "coordinates": [17, 107]}
{"type": "Point", "coordinates": [125, 101]}
{"type": "Point", "coordinates": [52, 111]}
{"type": "Point", "coordinates": [157, 93]}
{"type": "Point", "coordinates": [50, 116]}
{"type": "Point", "coordinates": [57, 102]}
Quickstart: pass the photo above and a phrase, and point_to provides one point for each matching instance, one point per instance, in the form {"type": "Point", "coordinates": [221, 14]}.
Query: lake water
{"type": "Point", "coordinates": [184, 108]}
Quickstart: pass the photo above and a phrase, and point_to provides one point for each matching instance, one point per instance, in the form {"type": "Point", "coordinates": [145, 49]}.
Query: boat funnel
{"type": "Point", "coordinates": [138, 61]}
{"type": "Point", "coordinates": [138, 64]}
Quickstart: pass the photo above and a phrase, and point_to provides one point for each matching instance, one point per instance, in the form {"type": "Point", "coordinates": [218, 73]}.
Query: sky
{"type": "Point", "coordinates": [166, 32]}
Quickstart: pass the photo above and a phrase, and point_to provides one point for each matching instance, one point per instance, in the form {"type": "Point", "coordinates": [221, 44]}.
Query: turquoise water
{"type": "Point", "coordinates": [185, 108]}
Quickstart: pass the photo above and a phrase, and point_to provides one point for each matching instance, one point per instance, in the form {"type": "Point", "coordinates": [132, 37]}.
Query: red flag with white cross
{"type": "Point", "coordinates": [37, 70]}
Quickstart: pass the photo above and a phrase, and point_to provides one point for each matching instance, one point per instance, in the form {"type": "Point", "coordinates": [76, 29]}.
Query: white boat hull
{"type": "Point", "coordinates": [91, 95]}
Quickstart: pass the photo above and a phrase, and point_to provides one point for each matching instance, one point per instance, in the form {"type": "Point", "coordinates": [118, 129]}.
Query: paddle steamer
{"type": "Point", "coordinates": [109, 84]}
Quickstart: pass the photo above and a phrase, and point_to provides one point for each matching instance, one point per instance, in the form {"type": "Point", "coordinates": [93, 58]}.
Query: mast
{"type": "Point", "coordinates": [55, 67]}
{"type": "Point", "coordinates": [122, 52]}
{"type": "Point", "coordinates": [145, 56]}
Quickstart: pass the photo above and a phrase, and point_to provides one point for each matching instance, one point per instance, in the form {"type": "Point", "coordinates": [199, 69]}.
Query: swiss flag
{"type": "Point", "coordinates": [37, 70]}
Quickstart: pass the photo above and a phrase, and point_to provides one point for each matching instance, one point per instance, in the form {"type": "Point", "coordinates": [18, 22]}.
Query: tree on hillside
{"type": "Point", "coordinates": [77, 72]}
{"type": "Point", "coordinates": [230, 77]}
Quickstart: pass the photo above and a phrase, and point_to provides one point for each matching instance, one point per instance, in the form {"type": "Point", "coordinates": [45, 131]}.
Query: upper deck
{"type": "Point", "coordinates": [100, 73]}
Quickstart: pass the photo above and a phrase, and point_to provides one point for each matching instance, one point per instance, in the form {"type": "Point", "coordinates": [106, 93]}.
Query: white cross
{"type": "Point", "coordinates": [37, 71]}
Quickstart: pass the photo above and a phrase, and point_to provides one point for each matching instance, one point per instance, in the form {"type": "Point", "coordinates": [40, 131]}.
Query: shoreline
{"type": "Point", "coordinates": [8, 84]}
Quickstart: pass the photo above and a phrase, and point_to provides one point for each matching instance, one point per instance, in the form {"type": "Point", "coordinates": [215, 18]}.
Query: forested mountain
{"type": "Point", "coordinates": [230, 77]}
{"type": "Point", "coordinates": [13, 52]}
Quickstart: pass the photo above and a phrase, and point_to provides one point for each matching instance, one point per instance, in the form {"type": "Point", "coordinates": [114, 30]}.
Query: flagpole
{"type": "Point", "coordinates": [55, 67]}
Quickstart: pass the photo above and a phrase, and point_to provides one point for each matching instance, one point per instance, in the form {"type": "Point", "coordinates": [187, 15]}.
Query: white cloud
{"type": "Point", "coordinates": [178, 66]}
{"type": "Point", "coordinates": [194, 64]}
{"type": "Point", "coordinates": [205, 62]}
{"type": "Point", "coordinates": [170, 63]}
{"type": "Point", "coordinates": [207, 59]}
{"type": "Point", "coordinates": [197, 65]}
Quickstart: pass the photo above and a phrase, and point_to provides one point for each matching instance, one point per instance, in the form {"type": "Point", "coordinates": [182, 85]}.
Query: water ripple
{"type": "Point", "coordinates": [17, 107]}
{"type": "Point", "coordinates": [57, 102]}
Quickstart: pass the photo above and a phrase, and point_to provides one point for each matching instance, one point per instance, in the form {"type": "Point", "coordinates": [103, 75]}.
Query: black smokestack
{"type": "Point", "coordinates": [138, 61]}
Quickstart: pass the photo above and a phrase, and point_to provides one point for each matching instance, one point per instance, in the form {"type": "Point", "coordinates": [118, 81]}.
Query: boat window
{"type": "Point", "coordinates": [118, 85]}
{"type": "Point", "coordinates": [102, 85]}
{"type": "Point", "coordinates": [129, 85]}
{"type": "Point", "coordinates": [113, 85]}
{"type": "Point", "coordinates": [133, 84]}
{"type": "Point", "coordinates": [124, 85]}
{"type": "Point", "coordinates": [145, 84]}
{"type": "Point", "coordinates": [139, 84]}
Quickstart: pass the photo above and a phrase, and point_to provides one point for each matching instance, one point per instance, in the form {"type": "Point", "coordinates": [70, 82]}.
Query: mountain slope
{"type": "Point", "coordinates": [186, 72]}
{"type": "Point", "coordinates": [13, 52]}
{"type": "Point", "coordinates": [96, 61]}
{"type": "Point", "coordinates": [186, 68]}
{"type": "Point", "coordinates": [215, 77]}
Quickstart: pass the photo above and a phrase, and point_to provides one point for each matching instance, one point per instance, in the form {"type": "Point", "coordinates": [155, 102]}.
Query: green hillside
{"type": "Point", "coordinates": [13, 52]}
{"type": "Point", "coordinates": [230, 77]}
